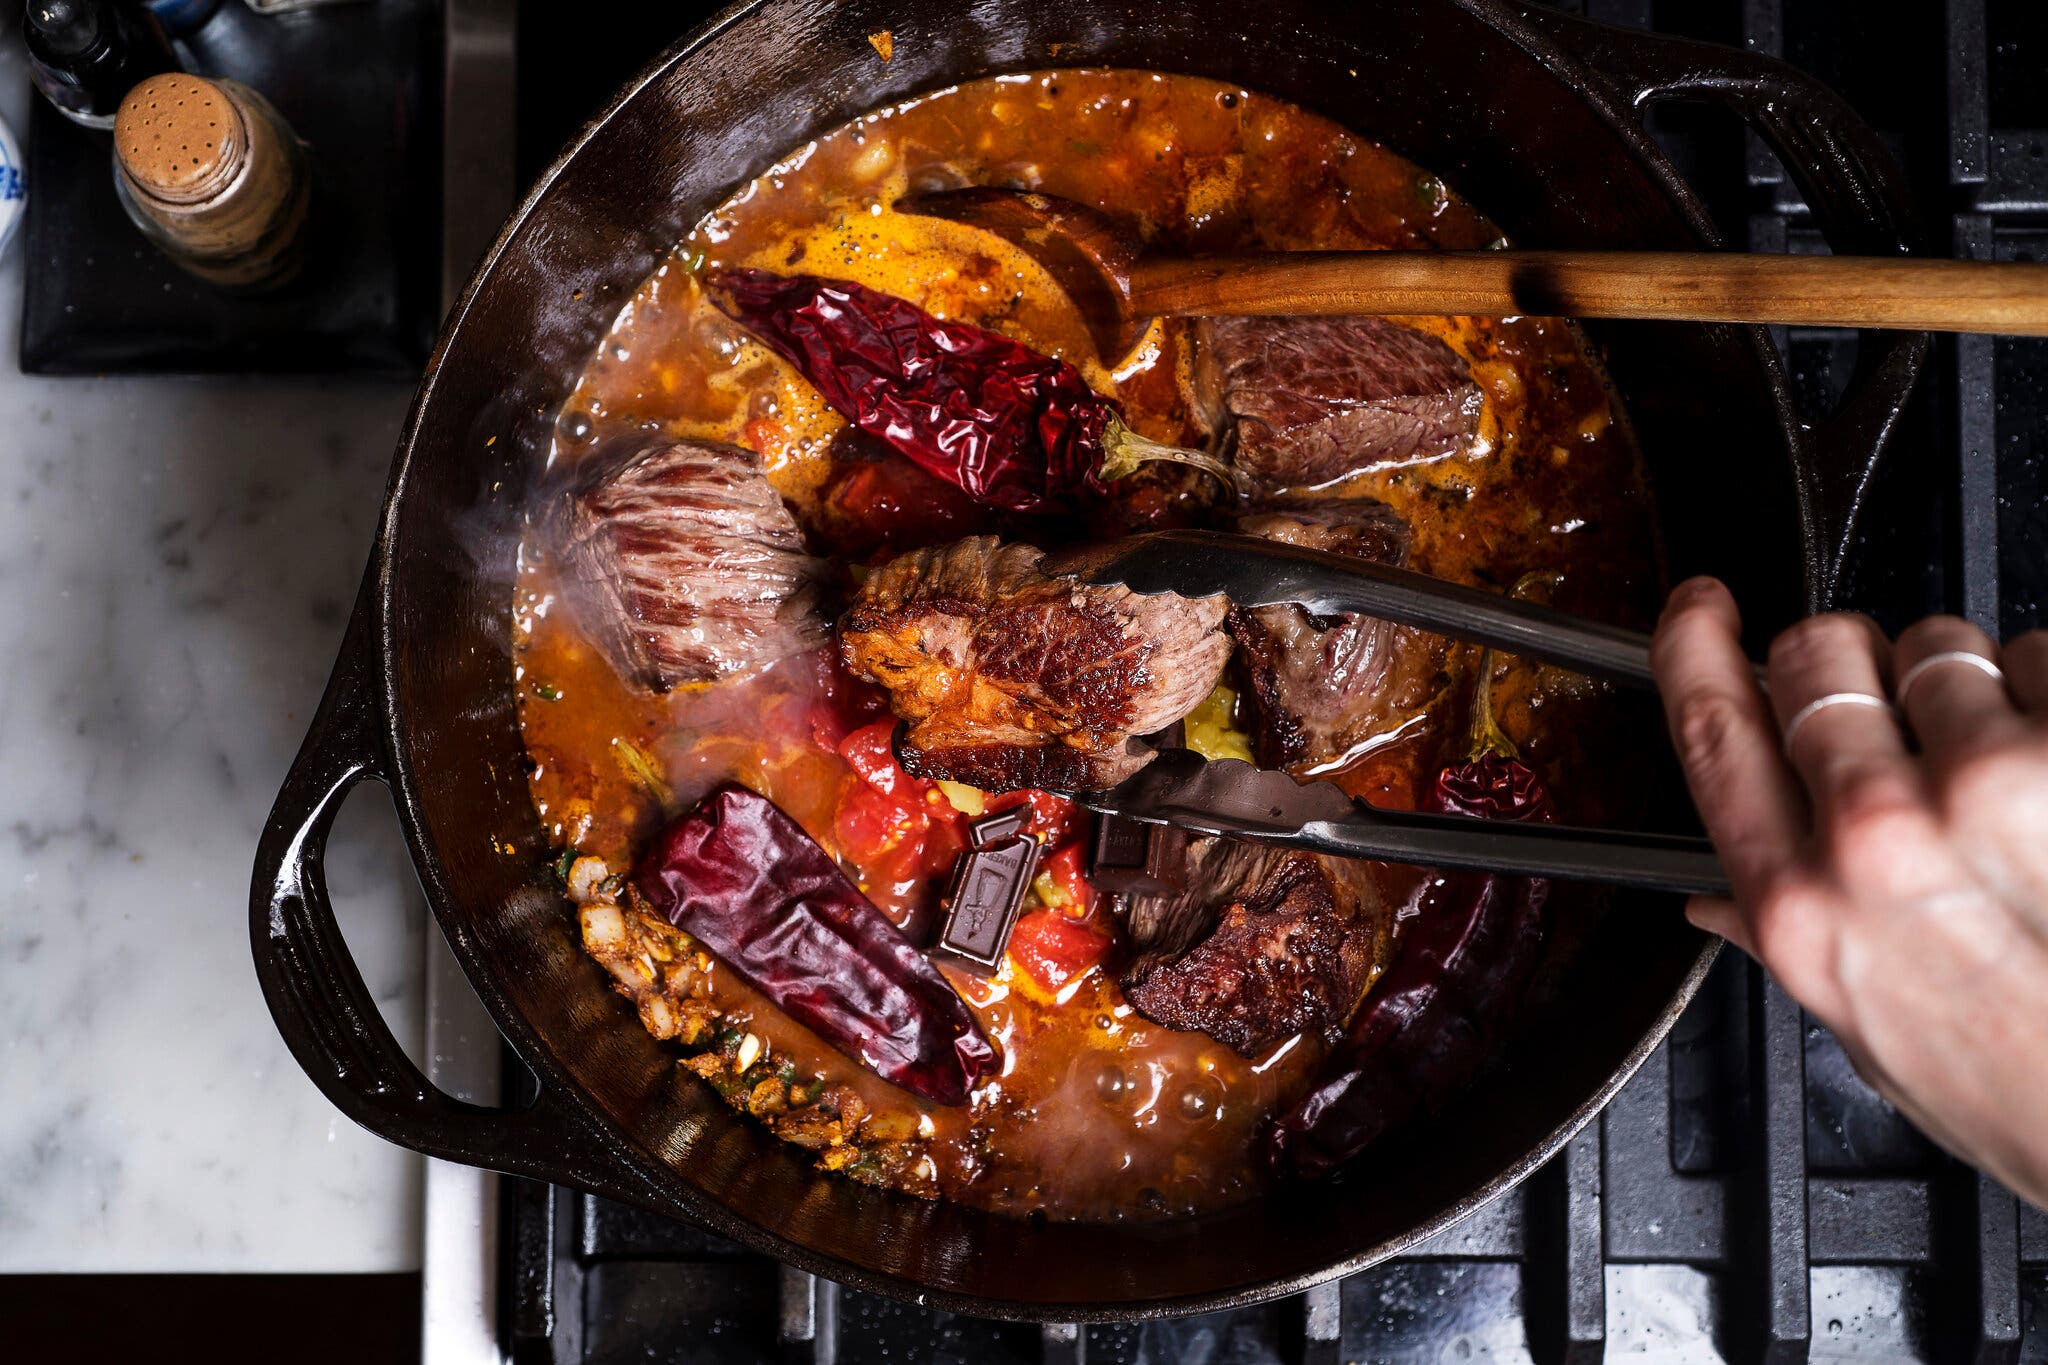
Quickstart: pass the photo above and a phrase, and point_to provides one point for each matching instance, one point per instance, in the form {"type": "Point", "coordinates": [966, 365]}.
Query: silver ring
{"type": "Point", "coordinates": [1946, 656]}
{"type": "Point", "coordinates": [1822, 703]}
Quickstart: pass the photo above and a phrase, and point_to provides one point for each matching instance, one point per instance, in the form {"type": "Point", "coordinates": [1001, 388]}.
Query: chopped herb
{"type": "Point", "coordinates": [563, 864]}
{"type": "Point", "coordinates": [1085, 147]}
{"type": "Point", "coordinates": [634, 760]}
{"type": "Point", "coordinates": [548, 691]}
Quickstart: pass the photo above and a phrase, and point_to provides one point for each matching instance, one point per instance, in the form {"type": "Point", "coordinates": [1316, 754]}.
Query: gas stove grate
{"type": "Point", "coordinates": [1700, 1219]}
{"type": "Point", "coordinates": [1745, 1197]}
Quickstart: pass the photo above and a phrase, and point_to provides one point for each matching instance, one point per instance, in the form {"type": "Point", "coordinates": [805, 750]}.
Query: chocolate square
{"type": "Point", "coordinates": [982, 901]}
{"type": "Point", "coordinates": [993, 829]}
{"type": "Point", "coordinates": [1131, 858]}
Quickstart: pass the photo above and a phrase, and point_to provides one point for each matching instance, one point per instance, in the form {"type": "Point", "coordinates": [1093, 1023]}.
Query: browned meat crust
{"type": "Point", "coordinates": [1294, 951]}
{"type": "Point", "coordinates": [1320, 688]}
{"type": "Point", "coordinates": [1306, 401]}
{"type": "Point", "coordinates": [1011, 678]}
{"type": "Point", "coordinates": [683, 564]}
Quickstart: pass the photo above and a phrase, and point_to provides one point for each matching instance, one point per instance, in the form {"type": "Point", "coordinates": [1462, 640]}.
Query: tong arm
{"type": "Point", "coordinates": [1254, 573]}
{"type": "Point", "coordinates": [1651, 862]}
{"type": "Point", "coordinates": [1233, 799]}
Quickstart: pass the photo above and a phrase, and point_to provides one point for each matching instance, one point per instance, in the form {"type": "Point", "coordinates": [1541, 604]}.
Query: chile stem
{"type": "Point", "coordinates": [1123, 450]}
{"type": "Point", "coordinates": [1486, 735]}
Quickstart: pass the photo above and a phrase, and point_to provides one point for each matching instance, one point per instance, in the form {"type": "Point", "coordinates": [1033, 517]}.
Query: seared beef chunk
{"type": "Point", "coordinates": [683, 564]}
{"type": "Point", "coordinates": [1011, 678]}
{"type": "Point", "coordinates": [1305, 401]}
{"type": "Point", "coordinates": [1320, 688]}
{"type": "Point", "coordinates": [1359, 527]}
{"type": "Point", "coordinates": [1218, 871]}
{"type": "Point", "coordinates": [1293, 952]}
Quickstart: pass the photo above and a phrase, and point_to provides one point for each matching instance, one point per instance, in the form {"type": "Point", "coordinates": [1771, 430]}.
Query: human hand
{"type": "Point", "coordinates": [1897, 889]}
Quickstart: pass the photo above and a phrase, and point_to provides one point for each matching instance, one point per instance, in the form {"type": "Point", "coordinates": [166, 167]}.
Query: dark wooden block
{"type": "Point", "coordinates": [361, 85]}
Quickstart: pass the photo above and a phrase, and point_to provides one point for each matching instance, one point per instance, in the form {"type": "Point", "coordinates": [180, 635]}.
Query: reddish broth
{"type": "Point", "coordinates": [1097, 1113]}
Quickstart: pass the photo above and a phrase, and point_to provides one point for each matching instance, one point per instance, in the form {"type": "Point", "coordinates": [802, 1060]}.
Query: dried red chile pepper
{"type": "Point", "coordinates": [1006, 425]}
{"type": "Point", "coordinates": [1465, 956]}
{"type": "Point", "coordinates": [744, 880]}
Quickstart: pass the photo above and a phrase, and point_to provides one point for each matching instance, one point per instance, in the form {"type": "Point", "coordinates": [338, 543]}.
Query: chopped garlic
{"type": "Point", "coordinates": [585, 875]}
{"type": "Point", "coordinates": [969, 801]}
{"type": "Point", "coordinates": [604, 929]}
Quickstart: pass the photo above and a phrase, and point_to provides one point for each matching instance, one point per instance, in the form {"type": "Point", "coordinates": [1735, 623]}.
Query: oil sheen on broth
{"type": "Point", "coordinates": [1098, 1113]}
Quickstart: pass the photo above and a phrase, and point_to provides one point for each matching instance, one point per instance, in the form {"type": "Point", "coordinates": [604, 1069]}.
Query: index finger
{"type": "Point", "coordinates": [1721, 724]}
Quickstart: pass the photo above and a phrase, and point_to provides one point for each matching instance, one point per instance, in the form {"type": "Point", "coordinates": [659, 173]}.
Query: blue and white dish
{"type": "Point", "coordinates": [13, 183]}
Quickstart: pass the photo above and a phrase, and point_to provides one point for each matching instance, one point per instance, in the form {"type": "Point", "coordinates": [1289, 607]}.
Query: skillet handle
{"type": "Point", "coordinates": [1858, 198]}
{"type": "Point", "coordinates": [317, 995]}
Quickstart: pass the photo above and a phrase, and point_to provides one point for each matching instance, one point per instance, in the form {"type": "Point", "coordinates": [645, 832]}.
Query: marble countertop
{"type": "Point", "coordinates": [177, 557]}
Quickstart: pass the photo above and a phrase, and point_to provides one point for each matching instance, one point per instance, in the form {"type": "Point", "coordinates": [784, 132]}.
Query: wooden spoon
{"type": "Point", "coordinates": [1118, 288]}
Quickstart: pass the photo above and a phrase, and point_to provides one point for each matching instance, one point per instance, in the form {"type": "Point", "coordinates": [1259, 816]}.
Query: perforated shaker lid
{"type": "Point", "coordinates": [180, 137]}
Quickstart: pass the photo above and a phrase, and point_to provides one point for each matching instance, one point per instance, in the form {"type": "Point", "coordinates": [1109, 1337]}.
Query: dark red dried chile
{"type": "Point", "coordinates": [744, 880]}
{"type": "Point", "coordinates": [1008, 426]}
{"type": "Point", "coordinates": [1436, 1015]}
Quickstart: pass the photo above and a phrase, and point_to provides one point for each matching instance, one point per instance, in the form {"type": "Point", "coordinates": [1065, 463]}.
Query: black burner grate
{"type": "Point", "coordinates": [1745, 1198]}
{"type": "Point", "coordinates": [1696, 1221]}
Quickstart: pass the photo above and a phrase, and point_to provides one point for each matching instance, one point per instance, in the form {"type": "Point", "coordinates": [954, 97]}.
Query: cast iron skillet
{"type": "Point", "coordinates": [1535, 118]}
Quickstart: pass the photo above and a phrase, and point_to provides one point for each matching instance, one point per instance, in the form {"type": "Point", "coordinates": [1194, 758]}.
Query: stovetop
{"type": "Point", "coordinates": [1746, 1197]}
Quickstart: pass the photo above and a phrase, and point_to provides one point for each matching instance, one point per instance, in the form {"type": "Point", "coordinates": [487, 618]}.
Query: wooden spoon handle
{"type": "Point", "coordinates": [1688, 286]}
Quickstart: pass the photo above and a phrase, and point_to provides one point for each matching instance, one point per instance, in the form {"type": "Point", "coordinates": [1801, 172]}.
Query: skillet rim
{"type": "Point", "coordinates": [662, 1187]}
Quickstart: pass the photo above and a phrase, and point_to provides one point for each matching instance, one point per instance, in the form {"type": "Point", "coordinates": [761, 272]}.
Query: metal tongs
{"type": "Point", "coordinates": [1232, 798]}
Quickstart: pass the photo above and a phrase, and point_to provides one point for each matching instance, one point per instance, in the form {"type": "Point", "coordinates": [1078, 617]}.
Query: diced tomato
{"type": "Point", "coordinates": [875, 829]}
{"type": "Point", "coordinates": [767, 438]}
{"type": "Point", "coordinates": [1054, 819]}
{"type": "Point", "coordinates": [897, 834]}
{"type": "Point", "coordinates": [869, 753]}
{"type": "Point", "coordinates": [1065, 867]}
{"type": "Point", "coordinates": [900, 833]}
{"type": "Point", "coordinates": [1053, 949]}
